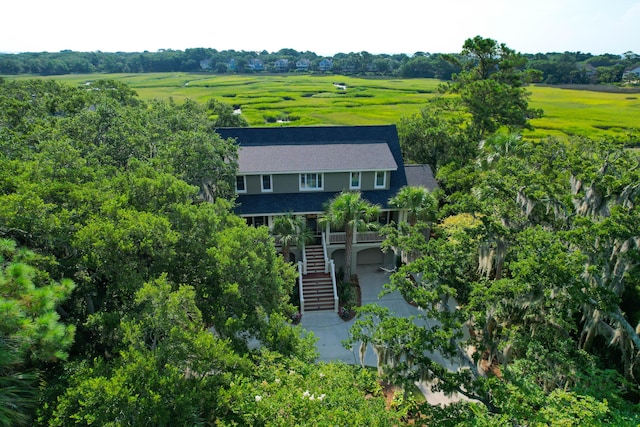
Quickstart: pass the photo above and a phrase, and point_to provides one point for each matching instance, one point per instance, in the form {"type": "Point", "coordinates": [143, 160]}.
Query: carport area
{"type": "Point", "coordinates": [331, 330]}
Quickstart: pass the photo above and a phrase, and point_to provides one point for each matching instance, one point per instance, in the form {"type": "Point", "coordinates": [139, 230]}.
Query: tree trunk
{"type": "Point", "coordinates": [617, 316]}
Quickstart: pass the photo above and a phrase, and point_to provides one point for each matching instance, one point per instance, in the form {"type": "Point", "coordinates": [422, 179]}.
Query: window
{"type": "Point", "coordinates": [381, 179]}
{"type": "Point", "coordinates": [241, 184]}
{"type": "Point", "coordinates": [257, 221]}
{"type": "Point", "coordinates": [266, 183]}
{"type": "Point", "coordinates": [310, 181]}
{"type": "Point", "coordinates": [354, 184]}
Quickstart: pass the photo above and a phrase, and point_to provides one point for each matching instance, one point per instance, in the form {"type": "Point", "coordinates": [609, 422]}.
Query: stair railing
{"type": "Point", "coordinates": [300, 287]}
{"type": "Point", "coordinates": [335, 286]}
{"type": "Point", "coordinates": [304, 259]}
{"type": "Point", "coordinates": [324, 251]}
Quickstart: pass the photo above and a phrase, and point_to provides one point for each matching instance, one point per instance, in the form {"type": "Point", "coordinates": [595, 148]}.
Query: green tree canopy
{"type": "Point", "coordinates": [491, 86]}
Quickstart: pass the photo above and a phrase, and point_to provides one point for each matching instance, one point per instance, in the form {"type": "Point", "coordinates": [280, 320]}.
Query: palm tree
{"type": "Point", "coordinates": [420, 204]}
{"type": "Point", "coordinates": [351, 211]}
{"type": "Point", "coordinates": [499, 145]}
{"type": "Point", "coordinates": [291, 230]}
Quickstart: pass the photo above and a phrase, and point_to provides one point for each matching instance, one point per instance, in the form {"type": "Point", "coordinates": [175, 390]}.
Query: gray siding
{"type": "Point", "coordinates": [286, 183]}
{"type": "Point", "coordinates": [253, 184]}
{"type": "Point", "coordinates": [289, 183]}
{"type": "Point", "coordinates": [336, 181]}
{"type": "Point", "coordinates": [367, 181]}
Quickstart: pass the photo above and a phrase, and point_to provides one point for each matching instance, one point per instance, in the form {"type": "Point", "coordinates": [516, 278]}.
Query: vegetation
{"type": "Point", "coordinates": [524, 287]}
{"type": "Point", "coordinates": [290, 230]}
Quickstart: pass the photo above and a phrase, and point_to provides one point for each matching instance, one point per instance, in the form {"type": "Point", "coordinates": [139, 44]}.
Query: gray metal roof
{"type": "Point", "coordinates": [315, 158]}
{"type": "Point", "coordinates": [420, 176]}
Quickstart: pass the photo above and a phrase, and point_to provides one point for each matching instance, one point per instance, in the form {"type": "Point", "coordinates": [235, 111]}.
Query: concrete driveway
{"type": "Point", "coordinates": [331, 330]}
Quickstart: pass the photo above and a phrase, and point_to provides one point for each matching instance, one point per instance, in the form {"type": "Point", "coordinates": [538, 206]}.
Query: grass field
{"type": "Point", "coordinates": [340, 100]}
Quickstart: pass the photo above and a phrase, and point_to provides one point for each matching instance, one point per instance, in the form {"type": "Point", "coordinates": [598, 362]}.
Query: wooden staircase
{"type": "Point", "coordinates": [317, 286]}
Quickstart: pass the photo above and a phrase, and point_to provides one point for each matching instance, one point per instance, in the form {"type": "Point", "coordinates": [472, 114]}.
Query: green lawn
{"type": "Point", "coordinates": [318, 100]}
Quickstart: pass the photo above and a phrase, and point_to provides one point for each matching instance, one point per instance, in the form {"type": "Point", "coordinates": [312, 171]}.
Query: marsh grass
{"type": "Point", "coordinates": [594, 114]}
{"type": "Point", "coordinates": [318, 100]}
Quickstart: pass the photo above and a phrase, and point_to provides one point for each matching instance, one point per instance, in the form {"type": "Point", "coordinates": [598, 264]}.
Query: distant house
{"type": "Point", "coordinates": [588, 70]}
{"type": "Point", "coordinates": [632, 74]}
{"type": "Point", "coordinates": [281, 65]}
{"type": "Point", "coordinates": [232, 64]}
{"type": "Point", "coordinates": [298, 170]}
{"type": "Point", "coordinates": [255, 64]}
{"type": "Point", "coordinates": [325, 65]}
{"type": "Point", "coordinates": [303, 64]}
{"type": "Point", "coordinates": [348, 68]}
{"type": "Point", "coordinates": [205, 64]}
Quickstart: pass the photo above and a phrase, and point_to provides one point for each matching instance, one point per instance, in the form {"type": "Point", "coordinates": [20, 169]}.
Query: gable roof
{"type": "Point", "coordinates": [330, 139]}
{"type": "Point", "coordinates": [267, 159]}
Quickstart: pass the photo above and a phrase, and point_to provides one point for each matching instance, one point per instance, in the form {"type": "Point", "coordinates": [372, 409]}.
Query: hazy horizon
{"type": "Point", "coordinates": [326, 28]}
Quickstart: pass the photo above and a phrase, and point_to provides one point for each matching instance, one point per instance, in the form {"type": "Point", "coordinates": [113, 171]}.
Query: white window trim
{"type": "Point", "coordinates": [244, 179]}
{"type": "Point", "coordinates": [355, 187]}
{"type": "Point", "coordinates": [319, 174]}
{"type": "Point", "coordinates": [268, 190]}
{"type": "Point", "coordinates": [384, 181]}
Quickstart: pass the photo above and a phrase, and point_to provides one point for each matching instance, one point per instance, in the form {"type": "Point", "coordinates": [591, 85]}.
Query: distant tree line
{"type": "Point", "coordinates": [556, 68]}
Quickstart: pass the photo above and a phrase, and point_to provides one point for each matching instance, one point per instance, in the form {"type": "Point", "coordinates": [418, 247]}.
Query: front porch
{"type": "Point", "coordinates": [340, 237]}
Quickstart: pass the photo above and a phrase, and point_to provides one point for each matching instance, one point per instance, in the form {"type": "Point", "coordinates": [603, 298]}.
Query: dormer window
{"type": "Point", "coordinates": [354, 183]}
{"type": "Point", "coordinates": [310, 181]}
{"type": "Point", "coordinates": [381, 179]}
{"type": "Point", "coordinates": [265, 181]}
{"type": "Point", "coordinates": [241, 184]}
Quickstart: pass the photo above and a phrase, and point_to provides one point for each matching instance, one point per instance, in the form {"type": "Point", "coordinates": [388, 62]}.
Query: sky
{"type": "Point", "coordinates": [324, 27]}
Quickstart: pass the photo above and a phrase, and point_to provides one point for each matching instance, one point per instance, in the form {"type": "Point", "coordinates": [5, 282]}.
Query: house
{"type": "Point", "coordinates": [232, 65]}
{"type": "Point", "coordinates": [325, 65]}
{"type": "Point", "coordinates": [205, 64]}
{"type": "Point", "coordinates": [281, 65]}
{"type": "Point", "coordinates": [255, 64]}
{"type": "Point", "coordinates": [349, 68]}
{"type": "Point", "coordinates": [303, 64]}
{"type": "Point", "coordinates": [631, 75]}
{"type": "Point", "coordinates": [299, 169]}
